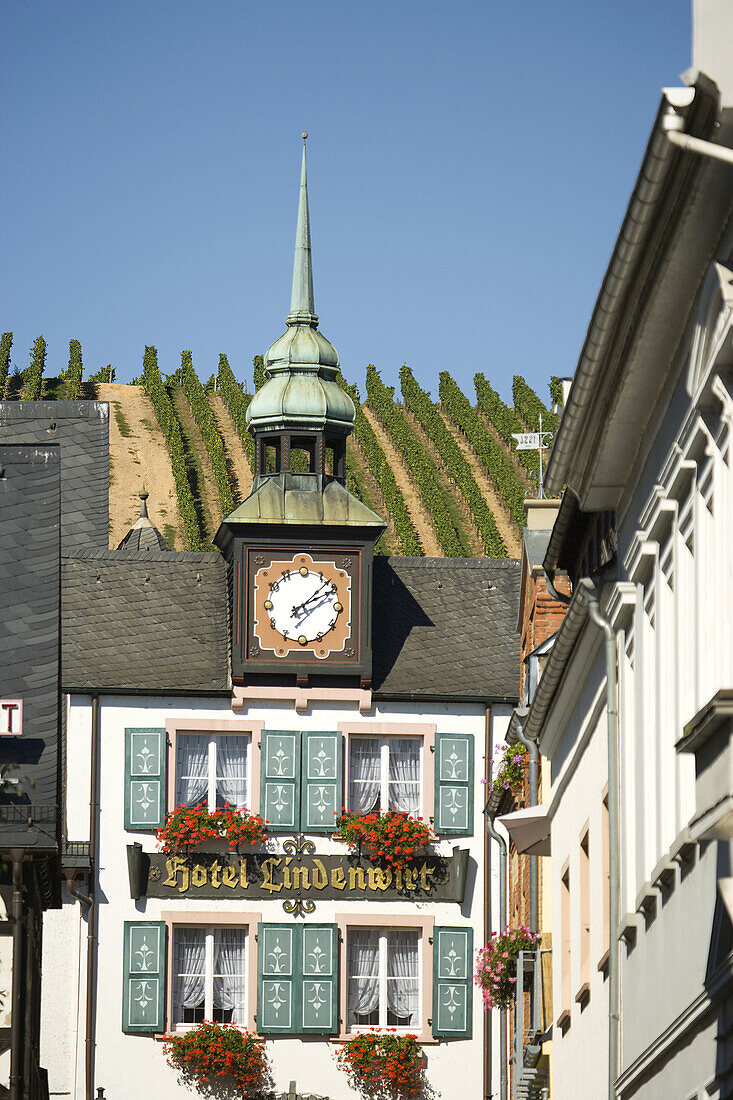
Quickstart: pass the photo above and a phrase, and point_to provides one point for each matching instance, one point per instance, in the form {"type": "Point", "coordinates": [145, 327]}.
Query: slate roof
{"type": "Point", "coordinates": [152, 622]}
{"type": "Point", "coordinates": [81, 429]}
{"type": "Point", "coordinates": [30, 512]}
{"type": "Point", "coordinates": [445, 628]}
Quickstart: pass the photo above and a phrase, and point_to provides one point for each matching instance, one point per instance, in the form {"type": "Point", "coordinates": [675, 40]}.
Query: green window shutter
{"type": "Point", "coordinates": [280, 774]}
{"type": "Point", "coordinates": [277, 985]}
{"type": "Point", "coordinates": [319, 999]}
{"type": "Point", "coordinates": [144, 976]}
{"type": "Point", "coordinates": [144, 779]}
{"type": "Point", "coordinates": [454, 784]}
{"type": "Point", "coordinates": [321, 788]}
{"type": "Point", "coordinates": [297, 981]}
{"type": "Point", "coordinates": [453, 982]}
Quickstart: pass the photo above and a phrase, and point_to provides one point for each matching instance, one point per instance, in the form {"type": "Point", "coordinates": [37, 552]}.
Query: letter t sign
{"type": "Point", "coordinates": [11, 717]}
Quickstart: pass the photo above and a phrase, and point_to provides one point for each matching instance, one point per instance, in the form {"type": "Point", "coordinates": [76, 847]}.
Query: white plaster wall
{"type": "Point", "coordinates": [138, 1060]}
{"type": "Point", "coordinates": [62, 993]}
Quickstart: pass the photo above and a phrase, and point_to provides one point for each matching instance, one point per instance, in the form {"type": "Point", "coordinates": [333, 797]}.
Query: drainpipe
{"type": "Point", "coordinates": [673, 125]}
{"type": "Point", "coordinates": [503, 1074]}
{"type": "Point", "coordinates": [93, 908]}
{"type": "Point", "coordinates": [520, 714]}
{"type": "Point", "coordinates": [16, 1027]}
{"type": "Point", "coordinates": [614, 878]}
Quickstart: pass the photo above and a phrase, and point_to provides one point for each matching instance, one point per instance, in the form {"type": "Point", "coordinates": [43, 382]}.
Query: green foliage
{"type": "Point", "coordinates": [210, 384]}
{"type": "Point", "coordinates": [165, 414]}
{"type": "Point", "coordinates": [381, 400]}
{"type": "Point", "coordinates": [236, 400]}
{"type": "Point", "coordinates": [409, 543]}
{"type": "Point", "coordinates": [33, 376]}
{"type": "Point", "coordinates": [6, 343]}
{"type": "Point", "coordinates": [497, 464]}
{"type": "Point", "coordinates": [106, 374]}
{"type": "Point", "coordinates": [426, 412]}
{"type": "Point", "coordinates": [555, 385]}
{"type": "Point", "coordinates": [258, 364]}
{"type": "Point", "coordinates": [203, 416]}
{"type": "Point", "coordinates": [504, 419]}
{"type": "Point", "coordinates": [530, 408]}
{"type": "Point", "coordinates": [72, 375]}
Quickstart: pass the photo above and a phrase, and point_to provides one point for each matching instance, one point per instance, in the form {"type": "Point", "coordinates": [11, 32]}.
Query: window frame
{"type": "Point", "coordinates": [210, 919]}
{"type": "Point", "coordinates": [424, 731]}
{"type": "Point", "coordinates": [209, 974]}
{"type": "Point", "coordinates": [424, 926]}
{"type": "Point", "coordinates": [211, 728]}
{"type": "Point", "coordinates": [382, 934]}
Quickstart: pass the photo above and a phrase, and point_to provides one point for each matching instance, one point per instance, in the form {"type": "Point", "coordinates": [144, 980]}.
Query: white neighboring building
{"type": "Point", "coordinates": [641, 867]}
{"type": "Point", "coordinates": [185, 681]}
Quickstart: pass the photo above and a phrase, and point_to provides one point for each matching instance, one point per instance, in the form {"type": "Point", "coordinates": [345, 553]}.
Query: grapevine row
{"type": "Point", "coordinates": [381, 400]}
{"type": "Point", "coordinates": [504, 419]}
{"type": "Point", "coordinates": [409, 543]}
{"type": "Point", "coordinates": [530, 408]}
{"type": "Point", "coordinates": [165, 414]}
{"type": "Point", "coordinates": [33, 377]}
{"type": "Point", "coordinates": [420, 405]}
{"type": "Point", "coordinates": [6, 343]}
{"type": "Point", "coordinates": [72, 375]}
{"type": "Point", "coordinates": [497, 464]}
{"type": "Point", "coordinates": [203, 416]}
{"type": "Point", "coordinates": [236, 400]}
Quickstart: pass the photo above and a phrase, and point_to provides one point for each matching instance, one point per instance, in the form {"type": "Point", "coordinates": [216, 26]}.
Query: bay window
{"type": "Point", "coordinates": [385, 773]}
{"type": "Point", "coordinates": [209, 975]}
{"type": "Point", "coordinates": [212, 768]}
{"type": "Point", "coordinates": [383, 979]}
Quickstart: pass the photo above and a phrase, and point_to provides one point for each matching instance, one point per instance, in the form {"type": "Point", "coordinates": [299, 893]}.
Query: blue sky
{"type": "Point", "coordinates": [469, 166]}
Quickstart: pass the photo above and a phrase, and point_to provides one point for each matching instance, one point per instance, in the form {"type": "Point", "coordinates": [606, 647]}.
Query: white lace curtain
{"type": "Point", "coordinates": [189, 962]}
{"type": "Point", "coordinates": [364, 773]}
{"type": "Point", "coordinates": [402, 975]}
{"type": "Point", "coordinates": [192, 769]}
{"type": "Point", "coordinates": [231, 771]}
{"type": "Point", "coordinates": [404, 774]}
{"type": "Point", "coordinates": [363, 963]}
{"type": "Point", "coordinates": [230, 972]}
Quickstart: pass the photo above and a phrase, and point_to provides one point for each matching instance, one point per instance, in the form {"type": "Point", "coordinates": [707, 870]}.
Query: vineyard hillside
{"type": "Point", "coordinates": [441, 468]}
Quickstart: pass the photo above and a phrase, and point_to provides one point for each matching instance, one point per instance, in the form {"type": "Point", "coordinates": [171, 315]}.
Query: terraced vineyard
{"type": "Point", "coordinates": [443, 471]}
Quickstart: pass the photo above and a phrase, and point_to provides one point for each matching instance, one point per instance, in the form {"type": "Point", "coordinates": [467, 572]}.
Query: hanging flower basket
{"type": "Point", "coordinates": [384, 1066]}
{"type": "Point", "coordinates": [510, 768]}
{"type": "Point", "coordinates": [393, 838]}
{"type": "Point", "coordinates": [188, 827]}
{"type": "Point", "coordinates": [220, 1059]}
{"type": "Point", "coordinates": [496, 965]}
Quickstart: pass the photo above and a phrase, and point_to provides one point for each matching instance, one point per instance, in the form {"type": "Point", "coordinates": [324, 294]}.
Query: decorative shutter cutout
{"type": "Point", "coordinates": [144, 779]}
{"type": "Point", "coordinates": [276, 985]}
{"type": "Point", "coordinates": [454, 784]}
{"type": "Point", "coordinates": [280, 768]}
{"type": "Point", "coordinates": [320, 988]}
{"type": "Point", "coordinates": [453, 982]}
{"type": "Point", "coordinates": [321, 787]}
{"type": "Point", "coordinates": [144, 976]}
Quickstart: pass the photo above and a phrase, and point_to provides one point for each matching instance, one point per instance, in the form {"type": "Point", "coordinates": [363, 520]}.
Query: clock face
{"type": "Point", "coordinates": [302, 605]}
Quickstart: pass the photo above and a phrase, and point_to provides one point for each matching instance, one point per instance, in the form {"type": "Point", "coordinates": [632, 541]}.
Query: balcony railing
{"type": "Point", "coordinates": [529, 1078]}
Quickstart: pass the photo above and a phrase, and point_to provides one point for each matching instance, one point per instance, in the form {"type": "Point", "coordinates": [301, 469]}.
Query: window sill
{"type": "Point", "coordinates": [424, 1039]}
{"type": "Point", "coordinates": [583, 995]}
{"type": "Point", "coordinates": [563, 1020]}
{"type": "Point", "coordinates": [603, 962]}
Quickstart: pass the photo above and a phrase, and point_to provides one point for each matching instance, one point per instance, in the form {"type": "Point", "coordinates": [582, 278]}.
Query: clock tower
{"type": "Point", "coordinates": [300, 546]}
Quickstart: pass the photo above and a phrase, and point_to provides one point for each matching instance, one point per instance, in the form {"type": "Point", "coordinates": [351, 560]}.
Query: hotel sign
{"type": "Point", "coordinates": [11, 717]}
{"type": "Point", "coordinates": [297, 877]}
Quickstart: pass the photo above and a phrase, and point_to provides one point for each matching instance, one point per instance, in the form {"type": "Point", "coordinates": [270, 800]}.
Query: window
{"type": "Point", "coordinates": [565, 941]}
{"type": "Point", "coordinates": [385, 774]}
{"type": "Point", "coordinates": [211, 768]}
{"type": "Point", "coordinates": [584, 909]}
{"type": "Point", "coordinates": [383, 978]}
{"type": "Point", "coordinates": [209, 975]}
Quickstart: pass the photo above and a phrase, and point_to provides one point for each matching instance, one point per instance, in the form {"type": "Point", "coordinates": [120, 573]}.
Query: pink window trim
{"type": "Point", "coordinates": [425, 731]}
{"type": "Point", "coordinates": [205, 918]}
{"type": "Point", "coordinates": [174, 726]}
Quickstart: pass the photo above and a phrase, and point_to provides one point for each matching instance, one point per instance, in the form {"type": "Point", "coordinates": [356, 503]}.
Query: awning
{"type": "Point", "coordinates": [529, 829]}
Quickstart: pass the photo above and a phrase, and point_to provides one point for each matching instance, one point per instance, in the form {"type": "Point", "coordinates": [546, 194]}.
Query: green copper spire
{"type": "Point", "coordinates": [302, 306]}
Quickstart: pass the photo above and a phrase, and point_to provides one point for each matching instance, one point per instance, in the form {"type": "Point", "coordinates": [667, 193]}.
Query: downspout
{"type": "Point", "coordinates": [614, 879]}
{"type": "Point", "coordinates": [16, 1026]}
{"type": "Point", "coordinates": [503, 1074]}
{"type": "Point", "coordinates": [93, 909]}
{"type": "Point", "coordinates": [520, 714]}
{"type": "Point", "coordinates": [673, 125]}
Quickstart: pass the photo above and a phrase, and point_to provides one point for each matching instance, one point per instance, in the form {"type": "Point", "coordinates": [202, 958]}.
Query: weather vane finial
{"type": "Point", "coordinates": [305, 134]}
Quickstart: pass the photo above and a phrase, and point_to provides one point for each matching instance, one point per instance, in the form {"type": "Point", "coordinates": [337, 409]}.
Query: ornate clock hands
{"type": "Point", "coordinates": [319, 591]}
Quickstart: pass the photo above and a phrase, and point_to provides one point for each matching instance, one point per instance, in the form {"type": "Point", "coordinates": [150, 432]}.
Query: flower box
{"type": "Point", "coordinates": [393, 838]}
{"type": "Point", "coordinates": [219, 1060]}
{"type": "Point", "coordinates": [384, 1065]}
{"type": "Point", "coordinates": [189, 828]}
